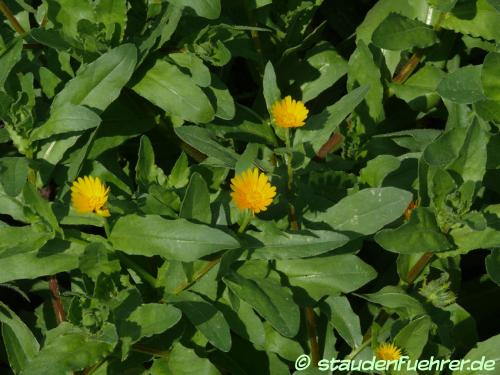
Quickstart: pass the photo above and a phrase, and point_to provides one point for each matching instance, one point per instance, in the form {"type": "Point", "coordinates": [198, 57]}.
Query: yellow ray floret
{"type": "Point", "coordinates": [388, 351]}
{"type": "Point", "coordinates": [252, 190]}
{"type": "Point", "coordinates": [89, 194]}
{"type": "Point", "coordinates": [289, 113]}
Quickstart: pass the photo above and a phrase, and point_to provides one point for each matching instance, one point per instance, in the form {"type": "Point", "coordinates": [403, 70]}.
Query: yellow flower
{"type": "Point", "coordinates": [252, 190]}
{"type": "Point", "coordinates": [89, 194]}
{"type": "Point", "coordinates": [388, 352]}
{"type": "Point", "coordinates": [289, 113]}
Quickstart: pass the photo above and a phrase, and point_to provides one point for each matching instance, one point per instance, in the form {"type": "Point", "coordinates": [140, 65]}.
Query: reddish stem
{"type": "Point", "coordinates": [56, 300]}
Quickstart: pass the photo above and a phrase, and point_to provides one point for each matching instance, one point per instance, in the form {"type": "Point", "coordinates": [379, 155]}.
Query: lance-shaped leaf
{"type": "Point", "coordinates": [99, 83]}
{"type": "Point", "coordinates": [398, 32]}
{"type": "Point", "coordinates": [288, 245]}
{"type": "Point", "coordinates": [320, 127]}
{"type": "Point", "coordinates": [172, 239]}
{"type": "Point", "coordinates": [420, 234]}
{"type": "Point", "coordinates": [175, 92]}
{"type": "Point", "coordinates": [366, 211]}
{"type": "Point", "coordinates": [271, 300]}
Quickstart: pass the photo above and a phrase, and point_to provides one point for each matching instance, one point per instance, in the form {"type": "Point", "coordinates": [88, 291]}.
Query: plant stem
{"type": "Point", "coordinates": [408, 68]}
{"type": "Point", "coordinates": [292, 213]}
{"type": "Point", "coordinates": [294, 225]}
{"type": "Point", "coordinates": [143, 274]}
{"type": "Point", "coordinates": [358, 350]}
{"type": "Point", "coordinates": [246, 220]}
{"type": "Point", "coordinates": [382, 316]}
{"type": "Point", "coordinates": [10, 17]}
{"type": "Point", "coordinates": [198, 275]}
{"type": "Point", "coordinates": [417, 269]}
{"type": "Point", "coordinates": [147, 350]}
{"type": "Point", "coordinates": [56, 300]}
{"type": "Point", "coordinates": [289, 158]}
{"type": "Point", "coordinates": [335, 140]}
{"type": "Point", "coordinates": [311, 332]}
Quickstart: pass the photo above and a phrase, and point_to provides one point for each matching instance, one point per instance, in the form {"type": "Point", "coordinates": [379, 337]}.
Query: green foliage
{"type": "Point", "coordinates": [385, 226]}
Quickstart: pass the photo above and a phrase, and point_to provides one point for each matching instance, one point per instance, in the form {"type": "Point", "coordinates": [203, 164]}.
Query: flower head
{"type": "Point", "coordinates": [388, 351]}
{"type": "Point", "coordinates": [89, 194]}
{"type": "Point", "coordinates": [252, 190]}
{"type": "Point", "coordinates": [289, 113]}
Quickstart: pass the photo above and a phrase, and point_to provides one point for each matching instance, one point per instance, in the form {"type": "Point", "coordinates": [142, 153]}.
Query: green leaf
{"type": "Point", "coordinates": [179, 176]}
{"type": "Point", "coordinates": [13, 174]}
{"type": "Point", "coordinates": [485, 351]}
{"type": "Point", "coordinates": [363, 71]}
{"type": "Point", "coordinates": [18, 240]}
{"type": "Point", "coordinates": [202, 140]}
{"type": "Point", "coordinates": [243, 320]}
{"type": "Point", "coordinates": [378, 168]}
{"type": "Point", "coordinates": [40, 206]}
{"type": "Point", "coordinates": [145, 170]}
{"type": "Point", "coordinates": [58, 353]}
{"type": "Point", "coordinates": [419, 91]}
{"type": "Point", "coordinates": [198, 70]}
{"type": "Point", "coordinates": [248, 158]}
{"type": "Point", "coordinates": [8, 59]}
{"type": "Point", "coordinates": [95, 261]}
{"type": "Point", "coordinates": [344, 320]}
{"type": "Point", "coordinates": [445, 148]}
{"type": "Point", "coordinates": [327, 275]}
{"type": "Point", "coordinates": [366, 211]}
{"type": "Point", "coordinates": [326, 61]}
{"type": "Point", "coordinates": [147, 320]}
{"type": "Point", "coordinates": [471, 162]}
{"type": "Point", "coordinates": [175, 92]}
{"type": "Point", "coordinates": [463, 85]}
{"type": "Point", "coordinates": [205, 317]}
{"type": "Point", "coordinates": [495, 4]}
{"type": "Point", "coordinates": [493, 265]}
{"type": "Point", "coordinates": [270, 86]}
{"type": "Point", "coordinates": [479, 231]}
{"type": "Point", "coordinates": [20, 343]}
{"type": "Point", "coordinates": [98, 84]}
{"type": "Point", "coordinates": [461, 150]}
{"type": "Point", "coordinates": [176, 362]}
{"type": "Point", "coordinates": [172, 239]}
{"type": "Point", "coordinates": [489, 110]}
{"type": "Point", "coordinates": [66, 118]}
{"type": "Point", "coordinates": [394, 297]}
{"type": "Point", "coordinates": [382, 8]}
{"type": "Point", "coordinates": [420, 234]}
{"type": "Point", "coordinates": [490, 74]}
{"type": "Point", "coordinates": [113, 14]}
{"type": "Point", "coordinates": [269, 299]}
{"type": "Point", "coordinates": [413, 336]}
{"type": "Point", "coordinates": [443, 5]}
{"type": "Point", "coordinates": [289, 245]}
{"type": "Point", "coordinates": [477, 18]}
{"type": "Point", "coordinates": [161, 31]}
{"type": "Point", "coordinates": [122, 120]}
{"type": "Point", "coordinates": [286, 348]}
{"type": "Point", "coordinates": [398, 32]}
{"type": "Point", "coordinates": [196, 202]}
{"type": "Point", "coordinates": [205, 8]}
{"type": "Point", "coordinates": [55, 256]}
{"type": "Point", "coordinates": [225, 106]}
{"type": "Point", "coordinates": [320, 127]}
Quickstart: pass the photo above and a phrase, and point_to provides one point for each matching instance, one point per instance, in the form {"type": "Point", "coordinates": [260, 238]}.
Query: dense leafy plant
{"type": "Point", "coordinates": [379, 221]}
